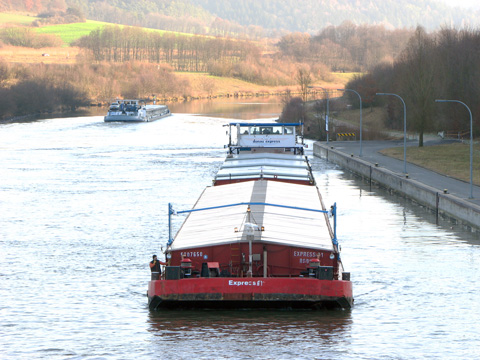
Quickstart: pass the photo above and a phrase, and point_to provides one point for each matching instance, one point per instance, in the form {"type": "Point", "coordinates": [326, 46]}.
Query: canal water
{"type": "Point", "coordinates": [84, 206]}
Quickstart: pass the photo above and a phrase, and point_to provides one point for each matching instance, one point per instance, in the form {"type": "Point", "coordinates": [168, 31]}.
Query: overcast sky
{"type": "Point", "coordinates": [463, 3]}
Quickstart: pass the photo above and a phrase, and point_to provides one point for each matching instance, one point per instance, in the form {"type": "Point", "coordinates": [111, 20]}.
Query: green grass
{"type": "Point", "coordinates": [452, 160]}
{"type": "Point", "coordinates": [71, 32]}
{"type": "Point", "coordinates": [68, 32]}
{"type": "Point", "coordinates": [347, 76]}
{"type": "Point", "coordinates": [7, 18]}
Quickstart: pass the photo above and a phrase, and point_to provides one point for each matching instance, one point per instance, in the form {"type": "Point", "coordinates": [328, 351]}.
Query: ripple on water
{"type": "Point", "coordinates": [84, 206]}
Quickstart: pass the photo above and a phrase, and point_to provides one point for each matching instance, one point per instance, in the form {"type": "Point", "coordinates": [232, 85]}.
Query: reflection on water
{"type": "Point", "coordinates": [199, 320]}
{"type": "Point", "coordinates": [253, 334]}
{"type": "Point", "coordinates": [236, 108]}
{"type": "Point", "coordinates": [247, 108]}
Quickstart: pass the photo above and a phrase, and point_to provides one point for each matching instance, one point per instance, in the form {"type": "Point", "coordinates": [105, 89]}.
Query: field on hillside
{"type": "Point", "coordinates": [15, 19]}
{"type": "Point", "coordinates": [347, 76]}
{"type": "Point", "coordinates": [371, 117]}
{"type": "Point", "coordinates": [71, 32]}
{"type": "Point", "coordinates": [67, 32]}
{"type": "Point", "coordinates": [21, 55]}
{"type": "Point", "coordinates": [203, 83]}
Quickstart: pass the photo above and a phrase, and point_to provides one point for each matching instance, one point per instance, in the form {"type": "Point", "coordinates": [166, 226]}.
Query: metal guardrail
{"type": "Point", "coordinates": [456, 135]}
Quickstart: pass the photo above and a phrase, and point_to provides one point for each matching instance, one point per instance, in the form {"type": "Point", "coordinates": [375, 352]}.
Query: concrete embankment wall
{"type": "Point", "coordinates": [435, 199]}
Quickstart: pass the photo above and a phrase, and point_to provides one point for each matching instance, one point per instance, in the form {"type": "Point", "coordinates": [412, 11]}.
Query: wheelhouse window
{"type": "Point", "coordinates": [255, 130]}
{"type": "Point", "coordinates": [277, 130]}
{"type": "Point", "coordinates": [266, 130]}
{"type": "Point", "coordinates": [244, 130]}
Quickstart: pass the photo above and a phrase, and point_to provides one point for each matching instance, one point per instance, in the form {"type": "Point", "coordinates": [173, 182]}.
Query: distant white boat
{"type": "Point", "coordinates": [135, 110]}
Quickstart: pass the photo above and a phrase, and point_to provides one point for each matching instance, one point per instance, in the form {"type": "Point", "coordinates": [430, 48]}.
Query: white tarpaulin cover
{"type": "Point", "coordinates": [286, 226]}
{"type": "Point", "coordinates": [282, 166]}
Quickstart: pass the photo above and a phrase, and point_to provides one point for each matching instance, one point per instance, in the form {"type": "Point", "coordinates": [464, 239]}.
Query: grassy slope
{"type": "Point", "coordinates": [224, 85]}
{"type": "Point", "coordinates": [347, 76]}
{"type": "Point", "coordinates": [67, 32]}
{"type": "Point", "coordinates": [451, 159]}
{"type": "Point", "coordinates": [15, 19]}
{"type": "Point", "coordinates": [14, 54]}
{"type": "Point", "coordinates": [71, 32]}
{"type": "Point", "coordinates": [372, 118]}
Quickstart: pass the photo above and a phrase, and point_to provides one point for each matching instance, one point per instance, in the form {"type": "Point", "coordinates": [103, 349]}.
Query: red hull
{"type": "Point", "coordinates": [258, 292]}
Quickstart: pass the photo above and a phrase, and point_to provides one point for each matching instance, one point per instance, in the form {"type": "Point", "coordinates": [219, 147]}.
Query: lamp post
{"type": "Point", "coordinates": [471, 141]}
{"type": "Point", "coordinates": [360, 98]}
{"type": "Point", "coordinates": [404, 130]}
{"type": "Point", "coordinates": [328, 111]}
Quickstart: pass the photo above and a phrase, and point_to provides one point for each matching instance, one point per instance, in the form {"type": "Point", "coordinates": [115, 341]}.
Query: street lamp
{"type": "Point", "coordinates": [328, 111]}
{"type": "Point", "coordinates": [360, 98]}
{"type": "Point", "coordinates": [471, 141]}
{"type": "Point", "coordinates": [404, 130]}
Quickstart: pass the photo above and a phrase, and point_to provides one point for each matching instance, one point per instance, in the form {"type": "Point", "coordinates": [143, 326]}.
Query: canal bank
{"type": "Point", "coordinates": [446, 196]}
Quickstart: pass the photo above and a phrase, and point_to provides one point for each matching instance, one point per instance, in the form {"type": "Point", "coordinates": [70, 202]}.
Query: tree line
{"type": "Point", "coordinates": [347, 47]}
{"type": "Point", "coordinates": [439, 65]}
{"type": "Point", "coordinates": [183, 53]}
{"type": "Point", "coordinates": [28, 37]}
{"type": "Point", "coordinates": [27, 89]}
{"type": "Point", "coordinates": [224, 57]}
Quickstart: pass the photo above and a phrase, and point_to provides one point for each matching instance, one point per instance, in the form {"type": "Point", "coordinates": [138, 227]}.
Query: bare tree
{"type": "Point", "coordinates": [418, 81]}
{"type": "Point", "coordinates": [304, 80]}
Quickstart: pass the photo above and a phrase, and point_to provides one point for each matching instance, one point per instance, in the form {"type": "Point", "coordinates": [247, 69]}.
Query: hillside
{"type": "Point", "coordinates": [257, 18]}
{"type": "Point", "coordinates": [312, 15]}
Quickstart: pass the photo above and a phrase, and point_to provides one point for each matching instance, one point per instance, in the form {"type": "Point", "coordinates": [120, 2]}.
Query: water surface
{"type": "Point", "coordinates": [84, 206]}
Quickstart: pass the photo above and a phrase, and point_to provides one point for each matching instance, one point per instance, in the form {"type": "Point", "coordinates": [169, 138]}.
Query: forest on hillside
{"type": "Point", "coordinates": [312, 15]}
{"type": "Point", "coordinates": [255, 19]}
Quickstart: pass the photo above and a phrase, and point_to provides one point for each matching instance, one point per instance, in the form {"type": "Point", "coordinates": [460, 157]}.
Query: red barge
{"type": "Point", "coordinates": [260, 237]}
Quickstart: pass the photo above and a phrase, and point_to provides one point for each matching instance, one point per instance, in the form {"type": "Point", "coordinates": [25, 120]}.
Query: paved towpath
{"type": "Point", "coordinates": [371, 154]}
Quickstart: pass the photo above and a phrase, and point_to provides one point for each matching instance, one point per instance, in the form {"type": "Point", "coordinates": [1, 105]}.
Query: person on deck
{"type": "Point", "coordinates": [155, 268]}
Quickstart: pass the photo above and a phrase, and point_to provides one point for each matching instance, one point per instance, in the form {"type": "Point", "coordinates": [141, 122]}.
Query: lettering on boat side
{"type": "Point", "coordinates": [245, 283]}
{"type": "Point", "coordinates": [304, 261]}
{"type": "Point", "coordinates": [310, 254]}
{"type": "Point", "coordinates": [266, 141]}
{"type": "Point", "coordinates": [307, 256]}
{"type": "Point", "coordinates": [192, 254]}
